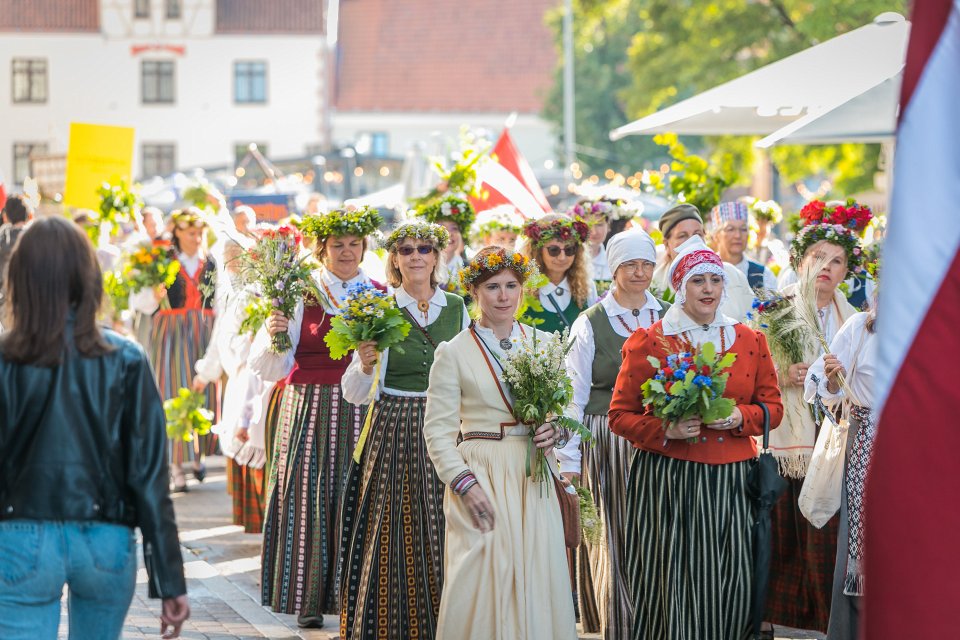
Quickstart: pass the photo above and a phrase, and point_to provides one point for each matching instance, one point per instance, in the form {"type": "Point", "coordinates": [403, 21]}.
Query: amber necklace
{"type": "Point", "coordinates": [636, 314]}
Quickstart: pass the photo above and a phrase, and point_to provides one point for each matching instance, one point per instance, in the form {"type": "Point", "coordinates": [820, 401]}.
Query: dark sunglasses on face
{"type": "Point", "coordinates": [554, 250]}
{"type": "Point", "coordinates": [407, 250]}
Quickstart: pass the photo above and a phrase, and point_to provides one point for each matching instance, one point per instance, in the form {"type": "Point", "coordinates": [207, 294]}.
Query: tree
{"type": "Point", "coordinates": [677, 48]}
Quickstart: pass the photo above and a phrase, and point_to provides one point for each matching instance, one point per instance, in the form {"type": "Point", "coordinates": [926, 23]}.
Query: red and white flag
{"type": "Point", "coordinates": [509, 179]}
{"type": "Point", "coordinates": [3, 191]}
{"type": "Point", "coordinates": [912, 516]}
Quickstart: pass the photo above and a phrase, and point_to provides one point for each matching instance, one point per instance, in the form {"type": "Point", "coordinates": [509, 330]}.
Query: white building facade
{"type": "Point", "coordinates": [197, 85]}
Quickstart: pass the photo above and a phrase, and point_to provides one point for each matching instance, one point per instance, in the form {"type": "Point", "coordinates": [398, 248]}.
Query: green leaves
{"type": "Point", "coordinates": [186, 415]}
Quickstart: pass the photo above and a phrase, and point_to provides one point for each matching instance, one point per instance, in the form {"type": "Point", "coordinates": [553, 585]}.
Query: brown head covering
{"type": "Point", "coordinates": [676, 215]}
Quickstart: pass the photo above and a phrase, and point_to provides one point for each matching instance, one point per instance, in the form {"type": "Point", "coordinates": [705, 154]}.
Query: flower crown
{"type": "Point", "coordinates": [502, 218]}
{"type": "Point", "coordinates": [454, 208]}
{"type": "Point", "coordinates": [833, 233]}
{"type": "Point", "coordinates": [611, 208]}
{"type": "Point", "coordinates": [563, 229]}
{"type": "Point", "coordinates": [342, 222]}
{"type": "Point", "coordinates": [493, 261]}
{"type": "Point", "coordinates": [189, 217]}
{"type": "Point", "coordinates": [850, 215]}
{"type": "Point", "coordinates": [420, 230]}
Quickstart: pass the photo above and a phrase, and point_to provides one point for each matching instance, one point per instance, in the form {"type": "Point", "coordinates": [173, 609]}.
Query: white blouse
{"type": "Point", "coordinates": [562, 296]}
{"type": "Point", "coordinates": [853, 336]}
{"type": "Point", "coordinates": [356, 384]}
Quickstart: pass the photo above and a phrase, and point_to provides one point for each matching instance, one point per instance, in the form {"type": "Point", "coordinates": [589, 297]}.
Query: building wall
{"type": "Point", "coordinates": [96, 78]}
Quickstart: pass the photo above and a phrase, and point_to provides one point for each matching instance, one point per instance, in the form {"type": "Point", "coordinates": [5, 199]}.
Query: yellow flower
{"type": "Point", "coordinates": [494, 260]}
{"type": "Point", "coordinates": [519, 258]}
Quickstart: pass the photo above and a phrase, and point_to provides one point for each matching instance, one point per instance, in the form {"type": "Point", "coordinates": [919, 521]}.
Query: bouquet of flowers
{"type": "Point", "coordinates": [589, 516]}
{"type": "Point", "coordinates": [691, 384]}
{"type": "Point", "coordinates": [186, 415]}
{"type": "Point", "coordinates": [775, 316]}
{"type": "Point", "coordinates": [281, 272]}
{"type": "Point", "coordinates": [766, 210]}
{"type": "Point", "coordinates": [368, 314]}
{"type": "Point", "coordinates": [117, 204]}
{"type": "Point", "coordinates": [537, 376]}
{"type": "Point", "coordinates": [149, 266]}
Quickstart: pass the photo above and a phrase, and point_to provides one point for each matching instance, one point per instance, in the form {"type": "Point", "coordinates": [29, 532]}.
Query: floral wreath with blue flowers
{"type": "Point", "coordinates": [420, 230]}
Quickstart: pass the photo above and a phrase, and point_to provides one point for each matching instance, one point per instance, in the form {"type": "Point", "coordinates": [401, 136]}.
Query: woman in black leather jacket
{"type": "Point", "coordinates": [82, 452]}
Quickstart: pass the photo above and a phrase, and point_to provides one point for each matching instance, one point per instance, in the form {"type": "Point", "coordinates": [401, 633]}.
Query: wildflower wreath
{"type": "Point", "coordinates": [454, 208]}
{"type": "Point", "coordinates": [342, 222]}
{"type": "Point", "coordinates": [418, 230]}
{"type": "Point", "coordinates": [563, 229]}
{"type": "Point", "coordinates": [495, 261]}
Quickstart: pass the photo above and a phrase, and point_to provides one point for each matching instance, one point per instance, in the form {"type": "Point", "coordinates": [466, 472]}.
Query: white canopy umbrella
{"type": "Point", "coordinates": [812, 82]}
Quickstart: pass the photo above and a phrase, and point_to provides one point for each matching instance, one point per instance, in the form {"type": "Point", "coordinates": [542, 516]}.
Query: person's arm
{"type": "Point", "coordinates": [145, 301]}
{"type": "Point", "coordinates": [263, 360]}
{"type": "Point", "coordinates": [441, 421]}
{"type": "Point", "coordinates": [145, 448]}
{"type": "Point", "coordinates": [579, 364]}
{"type": "Point", "coordinates": [356, 383]}
{"type": "Point", "coordinates": [628, 417]}
{"type": "Point", "coordinates": [765, 390]}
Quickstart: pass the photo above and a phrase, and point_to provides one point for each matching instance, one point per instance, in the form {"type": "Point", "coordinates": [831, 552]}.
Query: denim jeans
{"type": "Point", "coordinates": [97, 562]}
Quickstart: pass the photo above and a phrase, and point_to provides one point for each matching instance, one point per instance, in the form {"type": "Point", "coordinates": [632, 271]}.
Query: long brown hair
{"type": "Point", "coordinates": [52, 273]}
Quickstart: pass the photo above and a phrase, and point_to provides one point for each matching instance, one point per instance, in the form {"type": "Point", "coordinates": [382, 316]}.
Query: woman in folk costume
{"type": "Point", "coordinates": [316, 428]}
{"type": "Point", "coordinates": [556, 244]}
{"type": "Point", "coordinates": [393, 527]}
{"type": "Point", "coordinates": [601, 214]}
{"type": "Point", "coordinates": [496, 227]}
{"type": "Point", "coordinates": [455, 214]}
{"type": "Point", "coordinates": [853, 355]}
{"type": "Point", "coordinates": [801, 571]}
{"type": "Point", "coordinates": [505, 575]}
{"type": "Point", "coordinates": [180, 331]}
{"type": "Point", "coordinates": [688, 518]}
{"type": "Point", "coordinates": [593, 361]}
{"type": "Point", "coordinates": [678, 225]}
{"type": "Point", "coordinates": [729, 234]}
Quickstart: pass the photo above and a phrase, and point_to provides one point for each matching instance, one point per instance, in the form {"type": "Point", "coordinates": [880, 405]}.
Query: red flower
{"type": "Point", "coordinates": [705, 370]}
{"type": "Point", "coordinates": [582, 229]}
{"type": "Point", "coordinates": [668, 372]}
{"type": "Point", "coordinates": [667, 386]}
{"type": "Point", "coordinates": [813, 211]}
{"type": "Point", "coordinates": [532, 231]}
{"type": "Point", "coordinates": [564, 233]}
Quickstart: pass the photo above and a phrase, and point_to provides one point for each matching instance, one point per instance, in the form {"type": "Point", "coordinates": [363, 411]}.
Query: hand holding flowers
{"type": "Point", "coordinates": [369, 315]}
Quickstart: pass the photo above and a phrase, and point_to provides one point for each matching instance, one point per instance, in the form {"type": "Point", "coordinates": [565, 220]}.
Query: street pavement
{"type": "Point", "coordinates": [222, 564]}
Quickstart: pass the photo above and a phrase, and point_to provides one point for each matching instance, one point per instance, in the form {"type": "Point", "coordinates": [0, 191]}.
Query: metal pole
{"type": "Point", "coordinates": [569, 127]}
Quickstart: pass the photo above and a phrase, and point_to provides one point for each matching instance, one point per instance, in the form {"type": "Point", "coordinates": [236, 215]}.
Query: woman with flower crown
{"type": "Point", "coordinates": [497, 227]}
{"type": "Point", "coordinates": [181, 324]}
{"type": "Point", "coordinates": [455, 214]}
{"type": "Point", "coordinates": [593, 361]}
{"type": "Point", "coordinates": [505, 563]}
{"type": "Point", "coordinates": [801, 571]}
{"type": "Point", "coordinates": [393, 525]}
{"type": "Point", "coordinates": [316, 429]}
{"type": "Point", "coordinates": [555, 243]}
{"type": "Point", "coordinates": [688, 515]}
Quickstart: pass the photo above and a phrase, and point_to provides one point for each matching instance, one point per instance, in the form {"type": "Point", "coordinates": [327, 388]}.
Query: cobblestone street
{"type": "Point", "coordinates": [223, 573]}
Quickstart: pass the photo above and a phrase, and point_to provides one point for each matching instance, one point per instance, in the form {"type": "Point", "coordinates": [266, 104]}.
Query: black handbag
{"type": "Point", "coordinates": [764, 487]}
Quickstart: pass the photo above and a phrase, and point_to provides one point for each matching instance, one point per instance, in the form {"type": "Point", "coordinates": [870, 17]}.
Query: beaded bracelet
{"type": "Point", "coordinates": [463, 482]}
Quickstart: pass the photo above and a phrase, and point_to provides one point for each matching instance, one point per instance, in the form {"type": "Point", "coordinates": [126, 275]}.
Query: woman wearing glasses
{"type": "Point", "coordinates": [181, 326]}
{"type": "Point", "coordinates": [593, 361]}
{"type": "Point", "coordinates": [729, 233]}
{"type": "Point", "coordinates": [556, 244]}
{"type": "Point", "coordinates": [393, 525]}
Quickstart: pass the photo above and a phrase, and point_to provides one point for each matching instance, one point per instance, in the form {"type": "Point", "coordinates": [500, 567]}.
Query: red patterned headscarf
{"type": "Point", "coordinates": [693, 258]}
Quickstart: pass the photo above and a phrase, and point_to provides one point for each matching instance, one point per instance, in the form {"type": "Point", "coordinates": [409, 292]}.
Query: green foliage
{"type": "Point", "coordinates": [117, 204]}
{"type": "Point", "coordinates": [117, 292]}
{"type": "Point", "coordinates": [461, 176]}
{"type": "Point", "coordinates": [186, 415]}
{"type": "Point", "coordinates": [693, 179]}
{"type": "Point", "coordinates": [255, 314]}
{"type": "Point", "coordinates": [589, 517]}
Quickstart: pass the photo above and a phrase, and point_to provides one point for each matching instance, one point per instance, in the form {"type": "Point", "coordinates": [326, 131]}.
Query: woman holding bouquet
{"type": "Point", "coordinates": [505, 561]}
{"type": "Point", "coordinates": [556, 244]}
{"type": "Point", "coordinates": [688, 514]}
{"type": "Point", "coordinates": [181, 330]}
{"type": "Point", "coordinates": [392, 569]}
{"type": "Point", "coordinates": [826, 250]}
{"type": "Point", "coordinates": [316, 428]}
{"type": "Point", "coordinates": [593, 361]}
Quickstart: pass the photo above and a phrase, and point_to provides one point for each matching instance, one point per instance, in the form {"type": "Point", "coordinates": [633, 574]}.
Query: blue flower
{"type": "Point", "coordinates": [703, 381]}
{"type": "Point", "coordinates": [678, 375]}
{"type": "Point", "coordinates": [750, 313]}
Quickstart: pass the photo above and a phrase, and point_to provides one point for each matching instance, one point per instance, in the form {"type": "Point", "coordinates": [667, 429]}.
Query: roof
{"type": "Point", "coordinates": [277, 16]}
{"type": "Point", "coordinates": [435, 55]}
{"type": "Point", "coordinates": [50, 15]}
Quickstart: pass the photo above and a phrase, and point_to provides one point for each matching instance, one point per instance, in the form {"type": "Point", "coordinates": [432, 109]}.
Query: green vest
{"type": "Point", "coordinates": [607, 358]}
{"type": "Point", "coordinates": [410, 370]}
{"type": "Point", "coordinates": [552, 320]}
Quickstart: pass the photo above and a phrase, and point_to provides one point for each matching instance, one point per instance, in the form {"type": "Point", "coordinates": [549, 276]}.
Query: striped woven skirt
{"type": "Point", "coordinates": [605, 602]}
{"type": "Point", "coordinates": [391, 575]}
{"type": "Point", "coordinates": [315, 435]}
{"type": "Point", "coordinates": [689, 554]}
{"type": "Point", "coordinates": [801, 565]}
{"type": "Point", "coordinates": [178, 338]}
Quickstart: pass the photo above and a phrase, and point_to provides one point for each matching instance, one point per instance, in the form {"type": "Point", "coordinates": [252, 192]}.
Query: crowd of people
{"type": "Point", "coordinates": [392, 488]}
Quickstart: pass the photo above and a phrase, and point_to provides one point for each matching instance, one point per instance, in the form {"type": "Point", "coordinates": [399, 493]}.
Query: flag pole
{"type": "Point", "coordinates": [569, 128]}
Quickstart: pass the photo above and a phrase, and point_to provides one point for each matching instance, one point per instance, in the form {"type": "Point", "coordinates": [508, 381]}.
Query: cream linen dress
{"type": "Point", "coordinates": [511, 583]}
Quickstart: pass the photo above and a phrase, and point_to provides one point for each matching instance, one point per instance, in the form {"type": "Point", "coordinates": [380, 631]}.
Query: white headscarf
{"type": "Point", "coordinates": [633, 244]}
{"type": "Point", "coordinates": [693, 258]}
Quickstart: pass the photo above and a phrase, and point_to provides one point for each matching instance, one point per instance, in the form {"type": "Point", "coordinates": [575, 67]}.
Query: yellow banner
{"type": "Point", "coordinates": [96, 154]}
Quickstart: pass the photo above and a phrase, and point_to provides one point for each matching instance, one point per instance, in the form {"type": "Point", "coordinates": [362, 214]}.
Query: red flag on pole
{"type": "Point", "coordinates": [494, 192]}
{"type": "Point", "coordinates": [912, 515]}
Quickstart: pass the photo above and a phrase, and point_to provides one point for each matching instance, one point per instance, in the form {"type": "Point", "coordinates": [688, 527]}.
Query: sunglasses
{"type": "Point", "coordinates": [407, 250]}
{"type": "Point", "coordinates": [554, 250]}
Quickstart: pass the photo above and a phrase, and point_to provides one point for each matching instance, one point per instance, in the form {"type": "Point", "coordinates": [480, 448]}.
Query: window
{"type": "Point", "coordinates": [173, 9]}
{"type": "Point", "coordinates": [240, 151]}
{"type": "Point", "coordinates": [159, 159]}
{"type": "Point", "coordinates": [157, 81]}
{"type": "Point", "coordinates": [379, 144]}
{"type": "Point", "coordinates": [250, 82]}
{"type": "Point", "coordinates": [141, 8]}
{"type": "Point", "coordinates": [21, 158]}
{"type": "Point", "coordinates": [29, 80]}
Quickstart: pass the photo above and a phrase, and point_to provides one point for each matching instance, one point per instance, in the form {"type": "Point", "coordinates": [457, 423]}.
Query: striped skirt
{"type": "Point", "coordinates": [689, 560]}
{"type": "Point", "coordinates": [177, 339]}
{"type": "Point", "coordinates": [393, 527]}
{"type": "Point", "coordinates": [315, 435]}
{"type": "Point", "coordinates": [605, 601]}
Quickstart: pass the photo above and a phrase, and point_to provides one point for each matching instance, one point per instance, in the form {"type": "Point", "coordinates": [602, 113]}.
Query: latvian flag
{"type": "Point", "coordinates": [912, 520]}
